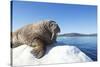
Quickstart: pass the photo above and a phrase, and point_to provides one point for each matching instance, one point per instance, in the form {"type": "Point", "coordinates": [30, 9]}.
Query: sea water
{"type": "Point", "coordinates": [87, 44]}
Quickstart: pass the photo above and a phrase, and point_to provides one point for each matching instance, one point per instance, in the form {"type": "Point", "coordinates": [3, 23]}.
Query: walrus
{"type": "Point", "coordinates": [36, 35]}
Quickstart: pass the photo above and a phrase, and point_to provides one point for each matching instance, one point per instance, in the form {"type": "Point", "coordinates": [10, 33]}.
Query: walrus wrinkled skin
{"type": "Point", "coordinates": [36, 35]}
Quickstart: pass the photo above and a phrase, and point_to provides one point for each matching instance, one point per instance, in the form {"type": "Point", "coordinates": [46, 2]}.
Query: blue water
{"type": "Point", "coordinates": [86, 44]}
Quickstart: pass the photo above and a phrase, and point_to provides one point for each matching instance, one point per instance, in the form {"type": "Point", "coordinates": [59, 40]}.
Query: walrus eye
{"type": "Point", "coordinates": [51, 24]}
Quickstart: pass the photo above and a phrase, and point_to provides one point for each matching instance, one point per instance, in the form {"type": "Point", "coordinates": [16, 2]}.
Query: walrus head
{"type": "Point", "coordinates": [53, 28]}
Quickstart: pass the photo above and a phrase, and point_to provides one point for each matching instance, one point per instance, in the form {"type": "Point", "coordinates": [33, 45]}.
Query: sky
{"type": "Point", "coordinates": [71, 18]}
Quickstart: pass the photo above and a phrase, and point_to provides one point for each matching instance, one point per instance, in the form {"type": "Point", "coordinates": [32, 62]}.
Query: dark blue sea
{"type": "Point", "coordinates": [87, 44]}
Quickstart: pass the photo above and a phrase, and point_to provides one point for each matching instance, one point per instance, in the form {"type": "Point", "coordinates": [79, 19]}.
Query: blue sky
{"type": "Point", "coordinates": [70, 17]}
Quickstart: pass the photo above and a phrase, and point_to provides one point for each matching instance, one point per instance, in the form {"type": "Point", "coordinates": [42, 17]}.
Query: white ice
{"type": "Point", "coordinates": [54, 55]}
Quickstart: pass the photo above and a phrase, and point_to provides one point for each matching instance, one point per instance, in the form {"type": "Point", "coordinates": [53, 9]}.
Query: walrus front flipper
{"type": "Point", "coordinates": [38, 48]}
{"type": "Point", "coordinates": [38, 53]}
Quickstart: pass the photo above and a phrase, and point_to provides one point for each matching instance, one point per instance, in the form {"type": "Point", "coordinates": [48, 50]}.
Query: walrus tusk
{"type": "Point", "coordinates": [52, 37]}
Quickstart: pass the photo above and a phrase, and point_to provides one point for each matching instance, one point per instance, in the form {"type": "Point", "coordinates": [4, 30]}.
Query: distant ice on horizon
{"type": "Point", "coordinates": [54, 55]}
